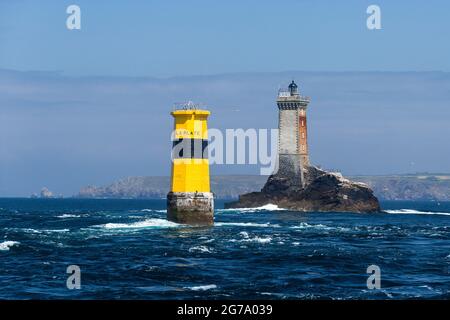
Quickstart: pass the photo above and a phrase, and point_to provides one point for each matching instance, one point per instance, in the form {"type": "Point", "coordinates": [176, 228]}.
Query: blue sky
{"type": "Point", "coordinates": [173, 38]}
{"type": "Point", "coordinates": [91, 106]}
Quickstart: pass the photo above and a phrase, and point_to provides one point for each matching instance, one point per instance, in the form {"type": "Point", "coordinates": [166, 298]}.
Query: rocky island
{"type": "Point", "coordinates": [323, 191]}
{"type": "Point", "coordinates": [296, 184]}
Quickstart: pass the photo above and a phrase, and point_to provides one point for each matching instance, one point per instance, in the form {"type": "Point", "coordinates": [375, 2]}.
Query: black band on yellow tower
{"type": "Point", "coordinates": [187, 148]}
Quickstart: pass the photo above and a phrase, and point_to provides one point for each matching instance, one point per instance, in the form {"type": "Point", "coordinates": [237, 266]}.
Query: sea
{"type": "Point", "coordinates": [126, 249]}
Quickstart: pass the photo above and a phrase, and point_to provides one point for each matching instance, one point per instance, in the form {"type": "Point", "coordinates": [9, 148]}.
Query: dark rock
{"type": "Point", "coordinates": [322, 191]}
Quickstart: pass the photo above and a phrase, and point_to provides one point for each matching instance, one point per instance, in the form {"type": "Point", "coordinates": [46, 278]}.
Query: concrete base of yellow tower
{"type": "Point", "coordinates": [195, 208]}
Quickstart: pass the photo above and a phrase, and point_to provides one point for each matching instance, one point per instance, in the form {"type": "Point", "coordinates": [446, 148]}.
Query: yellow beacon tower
{"type": "Point", "coordinates": [190, 200]}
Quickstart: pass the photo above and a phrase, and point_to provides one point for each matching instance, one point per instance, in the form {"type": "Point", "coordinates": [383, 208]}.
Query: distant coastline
{"type": "Point", "coordinates": [420, 186]}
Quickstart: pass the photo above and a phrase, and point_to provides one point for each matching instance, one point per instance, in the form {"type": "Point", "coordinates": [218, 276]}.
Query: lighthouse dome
{"type": "Point", "coordinates": [292, 85]}
{"type": "Point", "coordinates": [293, 88]}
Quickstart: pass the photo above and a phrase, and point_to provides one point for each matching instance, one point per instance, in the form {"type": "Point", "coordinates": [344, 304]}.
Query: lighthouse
{"type": "Point", "coordinates": [190, 200]}
{"type": "Point", "coordinates": [296, 184]}
{"type": "Point", "coordinates": [293, 134]}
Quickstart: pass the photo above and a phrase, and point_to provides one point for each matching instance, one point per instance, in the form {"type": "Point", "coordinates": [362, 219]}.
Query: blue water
{"type": "Point", "coordinates": [127, 250]}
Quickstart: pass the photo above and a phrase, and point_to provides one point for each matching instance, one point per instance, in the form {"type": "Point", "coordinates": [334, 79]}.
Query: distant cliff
{"type": "Point", "coordinates": [224, 187]}
{"type": "Point", "coordinates": [394, 187]}
{"type": "Point", "coordinates": [424, 186]}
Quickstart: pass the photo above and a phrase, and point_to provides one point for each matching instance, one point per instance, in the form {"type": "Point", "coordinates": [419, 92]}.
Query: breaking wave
{"type": "Point", "coordinates": [66, 215]}
{"type": "Point", "coordinates": [202, 249]}
{"type": "Point", "coordinates": [202, 288]}
{"type": "Point", "coordinates": [37, 231]}
{"type": "Point", "coordinates": [148, 223]}
{"type": "Point", "coordinates": [4, 246]}
{"type": "Point", "coordinates": [304, 225]}
{"type": "Point", "coordinates": [245, 224]}
{"type": "Point", "coordinates": [258, 239]}
{"type": "Point", "coordinates": [246, 238]}
{"type": "Point", "coordinates": [153, 210]}
{"type": "Point", "coordinates": [411, 211]}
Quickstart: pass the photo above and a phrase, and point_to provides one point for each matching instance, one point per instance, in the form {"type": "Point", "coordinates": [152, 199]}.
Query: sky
{"type": "Point", "coordinates": [173, 38]}
{"type": "Point", "coordinates": [89, 106]}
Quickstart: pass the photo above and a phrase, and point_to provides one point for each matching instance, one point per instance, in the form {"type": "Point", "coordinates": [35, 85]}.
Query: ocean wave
{"type": "Point", "coordinates": [148, 223]}
{"type": "Point", "coordinates": [26, 230]}
{"type": "Point", "coordinates": [4, 246]}
{"type": "Point", "coordinates": [38, 231]}
{"type": "Point", "coordinates": [411, 211]}
{"type": "Point", "coordinates": [258, 239]}
{"type": "Point", "coordinates": [67, 215]}
{"type": "Point", "coordinates": [54, 230]}
{"type": "Point", "coordinates": [154, 210]}
{"type": "Point", "coordinates": [246, 224]}
{"type": "Point", "coordinates": [267, 207]}
{"type": "Point", "coordinates": [202, 249]}
{"type": "Point", "coordinates": [202, 288]}
{"type": "Point", "coordinates": [305, 225]}
{"type": "Point", "coordinates": [246, 238]}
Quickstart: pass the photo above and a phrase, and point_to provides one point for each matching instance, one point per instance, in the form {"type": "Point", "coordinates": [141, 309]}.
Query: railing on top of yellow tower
{"type": "Point", "coordinates": [186, 106]}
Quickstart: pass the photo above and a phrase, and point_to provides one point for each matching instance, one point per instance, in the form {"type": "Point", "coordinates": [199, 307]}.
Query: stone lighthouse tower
{"type": "Point", "coordinates": [293, 134]}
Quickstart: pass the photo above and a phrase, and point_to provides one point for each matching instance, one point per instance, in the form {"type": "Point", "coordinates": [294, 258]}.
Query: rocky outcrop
{"type": "Point", "coordinates": [323, 191]}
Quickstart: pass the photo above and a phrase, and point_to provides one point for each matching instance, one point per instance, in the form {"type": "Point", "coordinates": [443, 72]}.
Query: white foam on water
{"type": "Point", "coordinates": [153, 210]}
{"type": "Point", "coordinates": [411, 211]}
{"type": "Point", "coordinates": [202, 249]}
{"type": "Point", "coordinates": [245, 224]}
{"type": "Point", "coordinates": [305, 225]}
{"type": "Point", "coordinates": [27, 230]}
{"type": "Point", "coordinates": [54, 230]}
{"type": "Point", "coordinates": [258, 240]}
{"type": "Point", "coordinates": [4, 246]}
{"type": "Point", "coordinates": [202, 288]}
{"type": "Point", "coordinates": [267, 207]}
{"type": "Point", "coordinates": [66, 215]}
{"type": "Point", "coordinates": [148, 223]}
{"type": "Point", "coordinates": [39, 231]}
{"type": "Point", "coordinates": [244, 234]}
